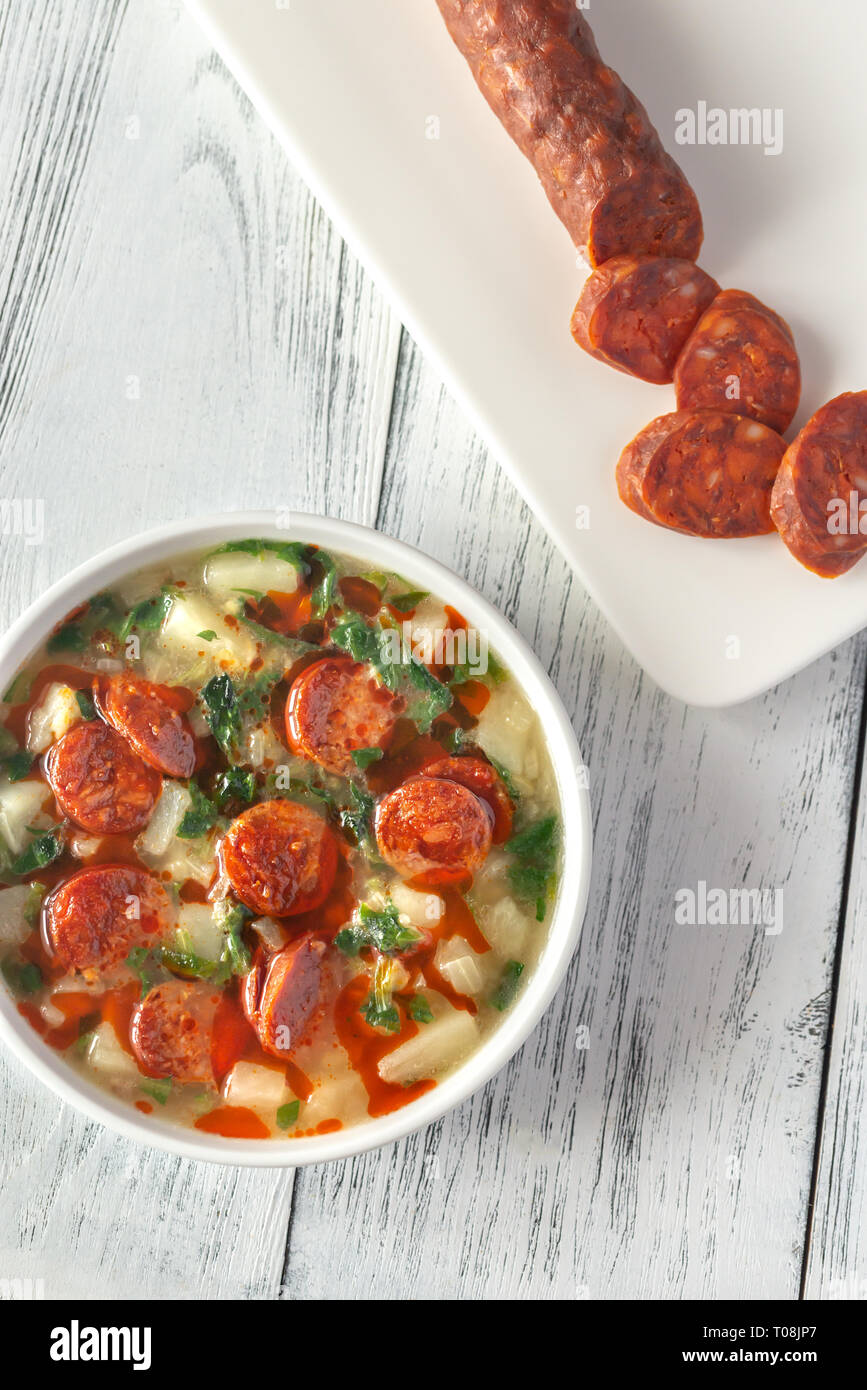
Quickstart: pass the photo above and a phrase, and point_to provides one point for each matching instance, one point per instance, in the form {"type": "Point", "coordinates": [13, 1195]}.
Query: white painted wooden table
{"type": "Point", "coordinates": [183, 332]}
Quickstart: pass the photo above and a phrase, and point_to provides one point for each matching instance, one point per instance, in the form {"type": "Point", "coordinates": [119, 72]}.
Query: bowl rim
{"type": "Point", "coordinates": [381, 551]}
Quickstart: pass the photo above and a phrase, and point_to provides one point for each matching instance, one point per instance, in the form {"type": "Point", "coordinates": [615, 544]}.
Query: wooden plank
{"type": "Point", "coordinates": [654, 1138]}
{"type": "Point", "coordinates": [837, 1261]}
{"type": "Point", "coordinates": [182, 333]}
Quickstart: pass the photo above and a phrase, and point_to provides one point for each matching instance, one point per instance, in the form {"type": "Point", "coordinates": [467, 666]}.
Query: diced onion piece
{"type": "Point", "coordinates": [173, 803]}
{"type": "Point", "coordinates": [270, 933]}
{"type": "Point", "coordinates": [54, 716]}
{"type": "Point", "coordinates": [231, 646]}
{"type": "Point", "coordinates": [457, 962]}
{"type": "Point", "coordinates": [83, 846]}
{"type": "Point", "coordinates": [435, 1047]}
{"type": "Point", "coordinates": [257, 1088]}
{"type": "Point", "coordinates": [229, 574]}
{"type": "Point", "coordinates": [14, 902]}
{"type": "Point", "coordinates": [20, 806]}
{"type": "Point", "coordinates": [107, 1057]}
{"type": "Point", "coordinates": [505, 728]}
{"type": "Point", "coordinates": [254, 747]}
{"type": "Point", "coordinates": [420, 909]}
{"type": "Point", "coordinates": [199, 932]}
{"type": "Point", "coordinates": [184, 859]}
{"type": "Point", "coordinates": [505, 926]}
{"type": "Point", "coordinates": [340, 1097]}
{"type": "Point", "coordinates": [53, 1016]}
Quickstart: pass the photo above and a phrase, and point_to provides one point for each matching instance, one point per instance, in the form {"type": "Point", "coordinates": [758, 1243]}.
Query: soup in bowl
{"type": "Point", "coordinates": [283, 840]}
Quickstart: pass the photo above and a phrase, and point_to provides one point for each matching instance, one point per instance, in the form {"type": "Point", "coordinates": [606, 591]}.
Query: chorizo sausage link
{"type": "Point", "coordinates": [433, 831]}
{"type": "Point", "coordinates": [280, 858]}
{"type": "Point", "coordinates": [599, 158]}
{"type": "Point", "coordinates": [95, 918]}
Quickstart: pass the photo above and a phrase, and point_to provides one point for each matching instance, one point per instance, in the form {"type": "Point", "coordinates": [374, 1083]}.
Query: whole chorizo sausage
{"type": "Point", "coordinates": [281, 993]}
{"type": "Point", "coordinates": [95, 918]}
{"type": "Point", "coordinates": [821, 488]}
{"type": "Point", "coordinates": [433, 831]}
{"type": "Point", "coordinates": [171, 1031]}
{"type": "Point", "coordinates": [99, 782]}
{"type": "Point", "coordinates": [148, 718]}
{"type": "Point", "coordinates": [280, 858]}
{"type": "Point", "coordinates": [335, 707]}
{"type": "Point", "coordinates": [599, 158]}
{"type": "Point", "coordinates": [636, 312]}
{"type": "Point", "coordinates": [740, 357]}
{"type": "Point", "coordinates": [702, 472]}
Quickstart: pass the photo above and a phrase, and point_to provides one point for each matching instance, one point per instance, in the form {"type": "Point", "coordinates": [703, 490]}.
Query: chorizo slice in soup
{"type": "Point", "coordinates": [334, 708]}
{"type": "Point", "coordinates": [486, 782]}
{"type": "Point", "coordinates": [97, 916]}
{"type": "Point", "coordinates": [148, 717]}
{"type": "Point", "coordinates": [282, 992]}
{"type": "Point", "coordinates": [280, 858]}
{"type": "Point", "coordinates": [99, 782]}
{"type": "Point", "coordinates": [172, 1029]}
{"type": "Point", "coordinates": [434, 831]}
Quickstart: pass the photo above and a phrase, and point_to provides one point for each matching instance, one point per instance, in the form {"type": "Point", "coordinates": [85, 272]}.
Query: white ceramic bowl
{"type": "Point", "coordinates": [379, 552]}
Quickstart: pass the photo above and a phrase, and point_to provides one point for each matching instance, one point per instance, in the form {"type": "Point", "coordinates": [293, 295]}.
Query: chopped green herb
{"type": "Point", "coordinates": [22, 977]}
{"type": "Point", "coordinates": [295, 553]}
{"type": "Point", "coordinates": [19, 689]}
{"type": "Point", "coordinates": [142, 961]}
{"type": "Point", "coordinates": [505, 777]}
{"type": "Point", "coordinates": [323, 595]}
{"type": "Point", "coordinates": [435, 697]}
{"type": "Point", "coordinates": [33, 905]}
{"type": "Point", "coordinates": [380, 1015]}
{"type": "Point", "coordinates": [207, 635]}
{"type": "Point", "coordinates": [85, 704]}
{"type": "Point", "coordinates": [532, 875]}
{"type": "Point", "coordinates": [235, 958]}
{"type": "Point", "coordinates": [363, 757]}
{"type": "Point", "coordinates": [287, 1114]}
{"type": "Point", "coordinates": [384, 931]}
{"type": "Point", "coordinates": [159, 1090]}
{"type": "Point", "coordinates": [222, 712]}
{"type": "Point", "coordinates": [69, 638]}
{"type": "Point", "coordinates": [419, 1009]}
{"type": "Point", "coordinates": [236, 784]}
{"type": "Point", "coordinates": [357, 816]}
{"type": "Point", "coordinates": [42, 850]}
{"type": "Point", "coordinates": [148, 615]}
{"type": "Point", "coordinates": [406, 603]}
{"type": "Point", "coordinates": [18, 765]}
{"type": "Point", "coordinates": [201, 816]}
{"type": "Point", "coordinates": [508, 986]}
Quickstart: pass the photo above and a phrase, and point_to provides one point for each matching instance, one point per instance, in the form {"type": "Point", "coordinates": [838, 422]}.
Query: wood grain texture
{"type": "Point", "coordinates": [671, 1156]}
{"type": "Point", "coordinates": [183, 332]}
{"type": "Point", "coordinates": [837, 1262]}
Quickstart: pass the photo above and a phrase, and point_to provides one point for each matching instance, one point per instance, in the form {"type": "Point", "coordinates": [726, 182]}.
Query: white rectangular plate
{"type": "Point", "coordinates": [459, 234]}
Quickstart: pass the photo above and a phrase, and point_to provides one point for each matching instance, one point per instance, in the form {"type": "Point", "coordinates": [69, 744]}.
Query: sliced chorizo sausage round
{"type": "Point", "coordinates": [172, 1030]}
{"type": "Point", "coordinates": [822, 486]}
{"type": "Point", "coordinates": [95, 918]}
{"type": "Point", "coordinates": [636, 312]}
{"type": "Point", "coordinates": [282, 993]}
{"type": "Point", "coordinates": [742, 358]}
{"type": "Point", "coordinates": [433, 831]}
{"type": "Point", "coordinates": [99, 782]}
{"type": "Point", "coordinates": [702, 472]}
{"type": "Point", "coordinates": [334, 708]}
{"type": "Point", "coordinates": [486, 783]}
{"type": "Point", "coordinates": [148, 717]}
{"type": "Point", "coordinates": [280, 858]}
